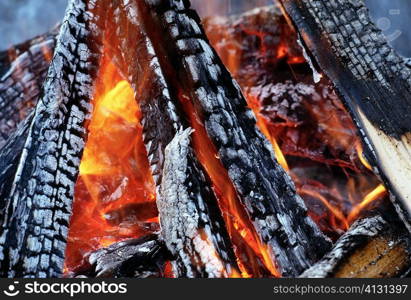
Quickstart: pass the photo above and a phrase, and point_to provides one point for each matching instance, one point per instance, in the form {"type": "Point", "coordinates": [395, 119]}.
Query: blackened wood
{"type": "Point", "coordinates": [132, 50]}
{"type": "Point", "coordinates": [374, 247]}
{"type": "Point", "coordinates": [161, 120]}
{"type": "Point", "coordinates": [262, 53]}
{"type": "Point", "coordinates": [278, 214]}
{"type": "Point", "coordinates": [46, 40]}
{"type": "Point", "coordinates": [135, 258]}
{"type": "Point", "coordinates": [35, 224]}
{"type": "Point", "coordinates": [255, 42]}
{"type": "Point", "coordinates": [23, 69]}
{"type": "Point", "coordinates": [372, 79]}
{"type": "Point", "coordinates": [188, 209]}
{"type": "Point", "coordinates": [9, 160]}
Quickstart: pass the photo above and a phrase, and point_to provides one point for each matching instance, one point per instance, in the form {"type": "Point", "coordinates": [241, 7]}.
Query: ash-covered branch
{"type": "Point", "coordinates": [9, 160]}
{"type": "Point", "coordinates": [191, 227]}
{"type": "Point", "coordinates": [161, 119]}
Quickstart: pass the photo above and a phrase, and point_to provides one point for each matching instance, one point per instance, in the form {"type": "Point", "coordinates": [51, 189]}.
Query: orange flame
{"type": "Point", "coordinates": [114, 173]}
{"type": "Point", "coordinates": [377, 193]}
{"type": "Point", "coordinates": [345, 220]}
{"type": "Point", "coordinates": [360, 153]}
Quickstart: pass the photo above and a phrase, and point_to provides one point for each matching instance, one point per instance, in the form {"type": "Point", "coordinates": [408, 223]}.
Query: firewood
{"type": "Point", "coordinates": [136, 258]}
{"type": "Point", "coordinates": [372, 79]}
{"type": "Point", "coordinates": [261, 50]}
{"type": "Point", "coordinates": [158, 96]}
{"type": "Point", "coordinates": [267, 192]}
{"type": "Point", "coordinates": [23, 69]}
{"type": "Point", "coordinates": [161, 122]}
{"type": "Point", "coordinates": [190, 221]}
{"type": "Point", "coordinates": [9, 160]}
{"type": "Point", "coordinates": [374, 247]}
{"type": "Point", "coordinates": [132, 50]}
{"type": "Point", "coordinates": [38, 206]}
{"type": "Point", "coordinates": [43, 43]}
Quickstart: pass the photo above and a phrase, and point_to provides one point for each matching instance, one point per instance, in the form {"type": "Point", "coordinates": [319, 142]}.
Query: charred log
{"type": "Point", "coordinates": [44, 43]}
{"type": "Point", "coordinates": [23, 69]}
{"type": "Point", "coordinates": [132, 50]}
{"type": "Point", "coordinates": [38, 206]}
{"type": "Point", "coordinates": [10, 156]}
{"type": "Point", "coordinates": [372, 79]}
{"type": "Point", "coordinates": [135, 258]}
{"type": "Point", "coordinates": [268, 194]}
{"type": "Point", "coordinates": [162, 121]}
{"type": "Point", "coordinates": [374, 247]}
{"type": "Point", "coordinates": [190, 221]}
{"type": "Point", "coordinates": [261, 51]}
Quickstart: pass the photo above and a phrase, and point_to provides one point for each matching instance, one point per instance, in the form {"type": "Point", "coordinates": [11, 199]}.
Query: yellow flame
{"type": "Point", "coordinates": [360, 152]}
{"type": "Point", "coordinates": [378, 192]}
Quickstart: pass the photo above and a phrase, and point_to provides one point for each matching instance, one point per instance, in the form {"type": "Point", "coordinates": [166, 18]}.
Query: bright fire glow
{"type": "Point", "coordinates": [114, 194]}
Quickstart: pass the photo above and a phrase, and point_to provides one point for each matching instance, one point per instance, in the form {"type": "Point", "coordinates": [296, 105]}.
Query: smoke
{"type": "Point", "coordinates": [23, 19]}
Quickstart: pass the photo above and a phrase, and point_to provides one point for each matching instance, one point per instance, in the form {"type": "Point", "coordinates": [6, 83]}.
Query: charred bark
{"type": "Point", "coordinates": [9, 160]}
{"type": "Point", "coordinates": [38, 206]}
{"type": "Point", "coordinates": [46, 40]}
{"type": "Point", "coordinates": [23, 69]}
{"type": "Point", "coordinates": [190, 221]}
{"type": "Point", "coordinates": [374, 247]}
{"type": "Point", "coordinates": [267, 192]}
{"type": "Point", "coordinates": [161, 122]}
{"type": "Point", "coordinates": [372, 79]}
{"type": "Point", "coordinates": [135, 258]}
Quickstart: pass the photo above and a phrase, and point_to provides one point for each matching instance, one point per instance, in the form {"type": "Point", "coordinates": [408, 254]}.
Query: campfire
{"type": "Point", "coordinates": [138, 139]}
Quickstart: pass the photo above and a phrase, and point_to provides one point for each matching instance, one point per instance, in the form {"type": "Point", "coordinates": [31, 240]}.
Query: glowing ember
{"type": "Point", "coordinates": [114, 194]}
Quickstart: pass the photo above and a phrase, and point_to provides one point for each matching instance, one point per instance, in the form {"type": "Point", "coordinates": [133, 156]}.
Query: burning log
{"type": "Point", "coordinates": [133, 51]}
{"type": "Point", "coordinates": [161, 120]}
{"type": "Point", "coordinates": [38, 205]}
{"type": "Point", "coordinates": [374, 247]}
{"type": "Point", "coordinates": [280, 220]}
{"type": "Point", "coordinates": [10, 155]}
{"type": "Point", "coordinates": [373, 80]}
{"type": "Point", "coordinates": [205, 88]}
{"type": "Point", "coordinates": [23, 69]}
{"type": "Point", "coordinates": [136, 258]}
{"type": "Point", "coordinates": [226, 207]}
{"type": "Point", "coordinates": [192, 227]}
